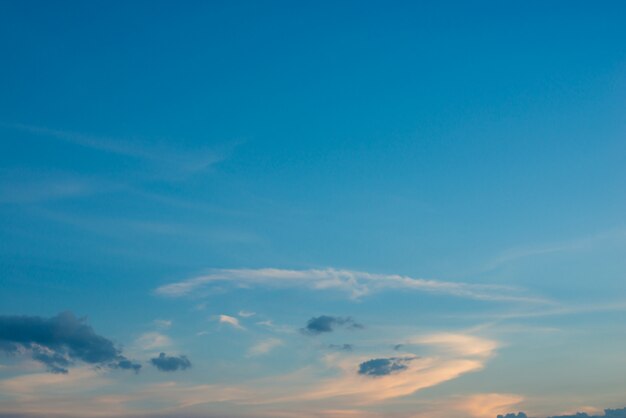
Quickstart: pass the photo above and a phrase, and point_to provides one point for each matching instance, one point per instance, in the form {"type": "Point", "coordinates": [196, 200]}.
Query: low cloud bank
{"type": "Point", "coordinates": [608, 413]}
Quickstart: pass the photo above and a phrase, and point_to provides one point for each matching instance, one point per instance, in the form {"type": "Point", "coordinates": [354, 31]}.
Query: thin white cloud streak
{"type": "Point", "coordinates": [21, 191]}
{"type": "Point", "coordinates": [355, 283]}
{"type": "Point", "coordinates": [577, 244]}
{"type": "Point", "coordinates": [276, 328]}
{"type": "Point", "coordinates": [264, 347]}
{"type": "Point", "coordinates": [152, 341]}
{"type": "Point", "coordinates": [558, 310]}
{"type": "Point", "coordinates": [185, 161]}
{"type": "Point", "coordinates": [163, 323]}
{"type": "Point", "coordinates": [230, 320]}
{"type": "Point", "coordinates": [120, 226]}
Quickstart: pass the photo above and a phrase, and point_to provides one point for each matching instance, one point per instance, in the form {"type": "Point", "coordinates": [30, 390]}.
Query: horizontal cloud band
{"type": "Point", "coordinates": [355, 283]}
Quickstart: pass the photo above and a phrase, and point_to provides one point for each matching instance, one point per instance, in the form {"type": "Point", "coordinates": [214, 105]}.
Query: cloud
{"type": "Point", "coordinates": [162, 155]}
{"type": "Point", "coordinates": [335, 382]}
{"type": "Point", "coordinates": [276, 328]}
{"type": "Point", "coordinates": [455, 344]}
{"type": "Point", "coordinates": [163, 323]}
{"type": "Point", "coordinates": [341, 347]}
{"type": "Point", "coordinates": [264, 347]}
{"type": "Point", "coordinates": [608, 413]}
{"type": "Point", "coordinates": [170, 363]}
{"type": "Point", "coordinates": [230, 320]}
{"type": "Point", "coordinates": [152, 341]}
{"type": "Point", "coordinates": [126, 364]}
{"type": "Point", "coordinates": [479, 405]}
{"type": "Point", "coordinates": [326, 323]}
{"type": "Point", "coordinates": [487, 405]}
{"type": "Point", "coordinates": [59, 342]}
{"type": "Point", "coordinates": [246, 314]}
{"type": "Point", "coordinates": [452, 355]}
{"type": "Point", "coordinates": [22, 188]}
{"type": "Point", "coordinates": [384, 366]}
{"type": "Point", "coordinates": [355, 283]}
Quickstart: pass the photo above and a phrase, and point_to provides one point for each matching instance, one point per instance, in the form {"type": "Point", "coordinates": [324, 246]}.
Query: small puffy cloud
{"type": "Point", "coordinates": [513, 415]}
{"type": "Point", "coordinates": [264, 347]}
{"type": "Point", "coordinates": [59, 342]}
{"type": "Point", "coordinates": [246, 314]}
{"type": "Point", "coordinates": [326, 323]}
{"type": "Point", "coordinates": [167, 363]}
{"type": "Point", "coordinates": [229, 320]}
{"type": "Point", "coordinates": [384, 366]}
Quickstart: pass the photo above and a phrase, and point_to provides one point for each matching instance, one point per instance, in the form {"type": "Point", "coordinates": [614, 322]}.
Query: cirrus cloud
{"type": "Point", "coordinates": [355, 283]}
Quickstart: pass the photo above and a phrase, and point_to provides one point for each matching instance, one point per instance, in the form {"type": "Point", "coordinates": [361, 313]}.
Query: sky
{"type": "Point", "coordinates": [322, 209]}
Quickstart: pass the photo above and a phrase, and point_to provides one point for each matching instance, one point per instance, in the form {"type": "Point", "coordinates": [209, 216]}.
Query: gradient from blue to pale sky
{"type": "Point", "coordinates": [441, 182]}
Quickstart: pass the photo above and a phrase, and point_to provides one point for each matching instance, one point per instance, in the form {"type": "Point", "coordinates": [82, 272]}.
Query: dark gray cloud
{"type": "Point", "coordinates": [167, 363]}
{"type": "Point", "coordinates": [608, 413]}
{"type": "Point", "coordinates": [326, 323]}
{"type": "Point", "coordinates": [384, 366]}
{"type": "Point", "coordinates": [342, 347]}
{"type": "Point", "coordinates": [59, 341]}
{"type": "Point", "coordinates": [126, 364]}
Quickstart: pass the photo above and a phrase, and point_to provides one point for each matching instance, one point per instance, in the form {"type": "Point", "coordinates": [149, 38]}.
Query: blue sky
{"type": "Point", "coordinates": [318, 209]}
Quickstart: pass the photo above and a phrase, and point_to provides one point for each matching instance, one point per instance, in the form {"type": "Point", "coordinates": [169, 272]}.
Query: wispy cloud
{"type": "Point", "coordinates": [230, 321]}
{"type": "Point", "coordinates": [481, 405]}
{"type": "Point", "coordinates": [453, 355]}
{"type": "Point", "coordinates": [269, 324]}
{"type": "Point", "coordinates": [163, 323]}
{"type": "Point", "coordinates": [160, 153]}
{"type": "Point", "coordinates": [152, 341]}
{"type": "Point", "coordinates": [335, 381]}
{"type": "Point", "coordinates": [264, 346]}
{"type": "Point", "coordinates": [576, 244]}
{"type": "Point", "coordinates": [22, 185]}
{"type": "Point", "coordinates": [355, 283]}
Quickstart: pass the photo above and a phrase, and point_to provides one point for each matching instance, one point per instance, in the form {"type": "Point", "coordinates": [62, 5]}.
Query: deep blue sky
{"type": "Point", "coordinates": [480, 145]}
